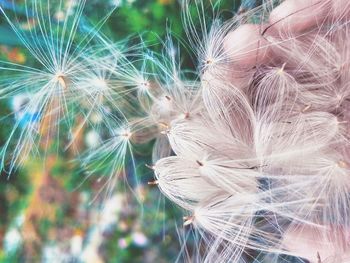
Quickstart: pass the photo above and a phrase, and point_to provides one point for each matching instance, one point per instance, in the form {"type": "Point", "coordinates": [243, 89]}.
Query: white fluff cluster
{"type": "Point", "coordinates": [268, 156]}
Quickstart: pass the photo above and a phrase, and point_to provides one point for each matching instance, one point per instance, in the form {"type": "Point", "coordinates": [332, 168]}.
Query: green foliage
{"type": "Point", "coordinates": [8, 37]}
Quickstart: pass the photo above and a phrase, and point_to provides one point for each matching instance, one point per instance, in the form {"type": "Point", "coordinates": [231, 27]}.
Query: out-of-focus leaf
{"type": "Point", "coordinates": [8, 37]}
{"type": "Point", "coordinates": [158, 11]}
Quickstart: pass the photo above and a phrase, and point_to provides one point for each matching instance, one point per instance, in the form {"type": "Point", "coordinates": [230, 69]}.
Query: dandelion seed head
{"type": "Point", "coordinates": [126, 134]}
{"type": "Point", "coordinates": [208, 63]}
{"type": "Point", "coordinates": [100, 84]}
{"type": "Point", "coordinates": [60, 15]}
{"type": "Point", "coordinates": [61, 79]}
{"type": "Point", "coordinates": [144, 85]}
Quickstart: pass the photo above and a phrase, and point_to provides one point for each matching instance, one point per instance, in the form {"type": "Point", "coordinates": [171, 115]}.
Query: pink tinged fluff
{"type": "Point", "coordinates": [286, 122]}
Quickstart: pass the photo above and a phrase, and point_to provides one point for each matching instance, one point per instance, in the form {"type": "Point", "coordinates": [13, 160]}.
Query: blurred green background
{"type": "Point", "coordinates": [59, 216]}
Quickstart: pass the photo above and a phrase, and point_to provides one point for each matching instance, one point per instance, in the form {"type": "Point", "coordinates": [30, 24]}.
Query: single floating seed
{"type": "Point", "coordinates": [188, 220]}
